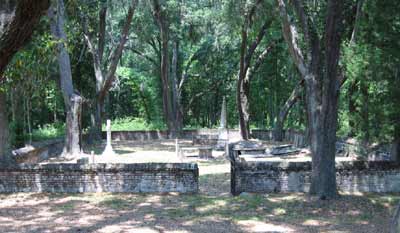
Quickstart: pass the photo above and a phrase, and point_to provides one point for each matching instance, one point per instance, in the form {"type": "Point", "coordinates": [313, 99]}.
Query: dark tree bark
{"type": "Point", "coordinates": [17, 22]}
{"type": "Point", "coordinates": [72, 101]}
{"type": "Point", "coordinates": [365, 112]}
{"type": "Point", "coordinates": [176, 91]}
{"type": "Point", "coordinates": [322, 78]}
{"type": "Point", "coordinates": [293, 98]}
{"type": "Point", "coordinates": [353, 87]}
{"type": "Point", "coordinates": [4, 143]}
{"type": "Point", "coordinates": [162, 23]}
{"type": "Point", "coordinates": [105, 79]}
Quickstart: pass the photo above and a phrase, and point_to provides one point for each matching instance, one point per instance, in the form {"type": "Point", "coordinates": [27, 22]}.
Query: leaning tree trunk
{"type": "Point", "coordinates": [241, 97]}
{"type": "Point", "coordinates": [278, 129]}
{"type": "Point", "coordinates": [72, 101]}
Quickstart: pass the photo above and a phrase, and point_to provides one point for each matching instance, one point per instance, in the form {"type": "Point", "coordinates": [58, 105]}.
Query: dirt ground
{"type": "Point", "coordinates": [212, 210]}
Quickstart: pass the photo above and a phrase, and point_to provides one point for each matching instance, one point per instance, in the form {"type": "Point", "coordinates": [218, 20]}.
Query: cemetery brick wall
{"type": "Point", "coordinates": [77, 178]}
{"type": "Point", "coordinates": [297, 138]}
{"type": "Point", "coordinates": [286, 177]}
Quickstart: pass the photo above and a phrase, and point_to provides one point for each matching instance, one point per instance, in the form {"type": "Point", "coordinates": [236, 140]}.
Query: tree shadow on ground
{"type": "Point", "coordinates": [208, 211]}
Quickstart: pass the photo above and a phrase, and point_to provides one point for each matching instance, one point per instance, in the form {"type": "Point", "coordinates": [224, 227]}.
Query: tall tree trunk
{"type": "Point", "coordinates": [176, 92]}
{"type": "Point", "coordinates": [322, 81]}
{"type": "Point", "coordinates": [293, 98]}
{"type": "Point", "coordinates": [240, 92]}
{"type": "Point", "coordinates": [395, 153]}
{"type": "Point", "coordinates": [4, 139]}
{"type": "Point", "coordinates": [365, 111]}
{"type": "Point", "coordinates": [162, 23]}
{"type": "Point", "coordinates": [18, 124]}
{"type": "Point", "coordinates": [246, 71]}
{"type": "Point", "coordinates": [166, 90]}
{"type": "Point", "coordinates": [352, 107]}
{"type": "Point", "coordinates": [72, 101]}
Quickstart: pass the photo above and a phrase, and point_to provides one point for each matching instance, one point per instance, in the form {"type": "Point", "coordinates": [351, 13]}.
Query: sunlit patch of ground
{"type": "Point", "coordinates": [164, 151]}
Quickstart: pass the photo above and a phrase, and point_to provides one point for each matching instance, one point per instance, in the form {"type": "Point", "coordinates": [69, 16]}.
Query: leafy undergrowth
{"type": "Point", "coordinates": [132, 123]}
{"type": "Point", "coordinates": [50, 131]}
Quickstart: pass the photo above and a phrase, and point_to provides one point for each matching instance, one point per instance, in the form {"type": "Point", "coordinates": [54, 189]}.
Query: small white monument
{"type": "Point", "coordinates": [109, 150]}
{"type": "Point", "coordinates": [223, 128]}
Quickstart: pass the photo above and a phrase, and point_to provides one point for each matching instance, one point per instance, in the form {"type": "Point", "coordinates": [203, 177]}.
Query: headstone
{"type": "Point", "coordinates": [92, 155]}
{"type": "Point", "coordinates": [223, 123]}
{"type": "Point", "coordinates": [177, 147]}
{"type": "Point", "coordinates": [83, 161]}
{"type": "Point", "coordinates": [108, 151]}
{"type": "Point", "coordinates": [205, 152]}
{"type": "Point", "coordinates": [223, 128]}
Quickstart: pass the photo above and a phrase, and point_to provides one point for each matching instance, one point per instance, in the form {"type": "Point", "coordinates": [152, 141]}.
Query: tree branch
{"type": "Point", "coordinates": [116, 55]}
{"type": "Point", "coordinates": [140, 53]}
{"type": "Point", "coordinates": [102, 31]}
{"type": "Point", "coordinates": [255, 43]}
{"type": "Point", "coordinates": [290, 34]}
{"type": "Point", "coordinates": [185, 75]}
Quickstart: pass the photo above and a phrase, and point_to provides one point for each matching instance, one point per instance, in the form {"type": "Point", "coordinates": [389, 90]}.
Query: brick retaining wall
{"type": "Point", "coordinates": [286, 177]}
{"type": "Point", "coordinates": [75, 178]}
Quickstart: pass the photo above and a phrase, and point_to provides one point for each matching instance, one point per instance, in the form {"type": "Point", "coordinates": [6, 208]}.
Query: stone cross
{"type": "Point", "coordinates": [108, 150]}
{"type": "Point", "coordinates": [223, 123]}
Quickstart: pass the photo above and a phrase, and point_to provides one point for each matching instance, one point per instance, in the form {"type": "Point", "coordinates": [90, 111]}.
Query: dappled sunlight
{"type": "Point", "coordinates": [278, 211]}
{"type": "Point", "coordinates": [257, 226]}
{"type": "Point", "coordinates": [212, 210]}
{"type": "Point", "coordinates": [108, 212]}
{"type": "Point", "coordinates": [315, 222]}
{"type": "Point", "coordinates": [286, 197]}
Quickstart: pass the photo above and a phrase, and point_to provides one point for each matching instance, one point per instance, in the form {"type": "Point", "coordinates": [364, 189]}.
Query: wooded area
{"type": "Point", "coordinates": [274, 96]}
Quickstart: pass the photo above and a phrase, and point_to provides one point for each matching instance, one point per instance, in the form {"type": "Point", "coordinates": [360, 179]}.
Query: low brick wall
{"type": "Point", "coordinates": [285, 177]}
{"type": "Point", "coordinates": [76, 178]}
{"type": "Point", "coordinates": [142, 135]}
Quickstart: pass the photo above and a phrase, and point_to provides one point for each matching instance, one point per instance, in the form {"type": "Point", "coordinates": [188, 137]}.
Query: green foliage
{"type": "Point", "coordinates": [49, 131]}
{"type": "Point", "coordinates": [131, 124]}
{"type": "Point", "coordinates": [208, 33]}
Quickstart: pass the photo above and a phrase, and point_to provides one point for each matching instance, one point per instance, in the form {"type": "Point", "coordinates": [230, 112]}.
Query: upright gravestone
{"type": "Point", "coordinates": [223, 128]}
{"type": "Point", "coordinates": [108, 151]}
